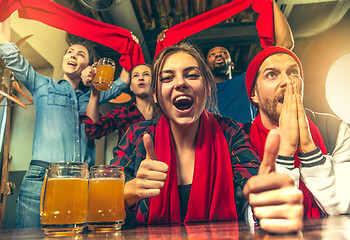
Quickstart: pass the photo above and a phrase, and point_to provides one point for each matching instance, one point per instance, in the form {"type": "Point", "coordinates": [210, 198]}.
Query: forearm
{"type": "Point", "coordinates": [92, 110]}
{"type": "Point", "coordinates": [283, 33]}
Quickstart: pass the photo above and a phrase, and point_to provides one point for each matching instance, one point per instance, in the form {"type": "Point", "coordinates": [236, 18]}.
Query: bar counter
{"type": "Point", "coordinates": [337, 228]}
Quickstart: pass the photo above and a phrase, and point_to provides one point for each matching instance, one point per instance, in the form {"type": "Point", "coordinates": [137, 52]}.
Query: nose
{"type": "Point", "coordinates": [73, 55]}
{"type": "Point", "coordinates": [180, 83]}
{"type": "Point", "coordinates": [284, 79]}
{"type": "Point", "coordinates": [218, 55]}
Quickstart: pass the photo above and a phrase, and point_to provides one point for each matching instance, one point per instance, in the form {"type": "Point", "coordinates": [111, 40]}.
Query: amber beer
{"type": "Point", "coordinates": [65, 198]}
{"type": "Point", "coordinates": [103, 79]}
{"type": "Point", "coordinates": [106, 198]}
{"type": "Point", "coordinates": [65, 201]}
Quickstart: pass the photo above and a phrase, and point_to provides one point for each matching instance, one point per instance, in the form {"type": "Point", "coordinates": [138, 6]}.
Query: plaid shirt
{"type": "Point", "coordinates": [131, 151]}
{"type": "Point", "coordinates": [120, 118]}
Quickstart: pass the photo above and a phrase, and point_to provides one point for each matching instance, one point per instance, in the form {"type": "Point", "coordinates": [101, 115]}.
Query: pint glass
{"type": "Point", "coordinates": [64, 198]}
{"type": "Point", "coordinates": [106, 198]}
{"type": "Point", "coordinates": [103, 79]}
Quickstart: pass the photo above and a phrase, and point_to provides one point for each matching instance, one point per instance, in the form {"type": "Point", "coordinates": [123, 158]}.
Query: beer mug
{"type": "Point", "coordinates": [103, 79]}
{"type": "Point", "coordinates": [64, 198]}
{"type": "Point", "coordinates": [106, 211]}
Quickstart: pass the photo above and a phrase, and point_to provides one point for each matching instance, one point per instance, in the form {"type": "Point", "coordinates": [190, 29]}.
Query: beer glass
{"type": "Point", "coordinates": [64, 198]}
{"type": "Point", "coordinates": [103, 79]}
{"type": "Point", "coordinates": [106, 211]}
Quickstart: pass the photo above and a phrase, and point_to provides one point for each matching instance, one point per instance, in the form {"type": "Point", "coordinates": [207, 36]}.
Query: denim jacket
{"type": "Point", "coordinates": [58, 135]}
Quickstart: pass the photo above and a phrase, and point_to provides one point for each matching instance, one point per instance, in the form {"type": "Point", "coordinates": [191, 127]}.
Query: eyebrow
{"type": "Point", "coordinates": [220, 50]}
{"type": "Point", "coordinates": [186, 69]}
{"type": "Point", "coordinates": [74, 50]}
{"type": "Point", "coordinates": [273, 68]}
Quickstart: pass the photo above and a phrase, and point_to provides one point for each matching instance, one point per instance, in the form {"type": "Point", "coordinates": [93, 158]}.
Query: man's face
{"type": "Point", "coordinates": [219, 60]}
{"type": "Point", "coordinates": [272, 78]}
{"type": "Point", "coordinates": [75, 60]}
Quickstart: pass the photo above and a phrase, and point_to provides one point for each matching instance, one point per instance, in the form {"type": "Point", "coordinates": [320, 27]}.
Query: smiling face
{"type": "Point", "coordinates": [271, 82]}
{"type": "Point", "coordinates": [182, 90]}
{"type": "Point", "coordinates": [74, 61]}
{"type": "Point", "coordinates": [141, 81]}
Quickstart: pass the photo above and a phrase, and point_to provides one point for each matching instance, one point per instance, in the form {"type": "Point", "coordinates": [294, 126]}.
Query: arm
{"type": "Point", "coordinates": [326, 182]}
{"type": "Point", "coordinates": [283, 33]}
{"type": "Point", "coordinates": [15, 61]}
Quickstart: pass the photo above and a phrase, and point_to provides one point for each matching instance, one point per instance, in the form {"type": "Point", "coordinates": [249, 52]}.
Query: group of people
{"type": "Point", "coordinates": [183, 161]}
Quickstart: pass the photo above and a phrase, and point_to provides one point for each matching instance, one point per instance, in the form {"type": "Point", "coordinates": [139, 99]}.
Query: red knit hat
{"type": "Point", "coordinates": [255, 64]}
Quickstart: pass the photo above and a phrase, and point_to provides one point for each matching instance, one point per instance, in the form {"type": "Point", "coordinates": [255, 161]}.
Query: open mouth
{"type": "Point", "coordinates": [72, 63]}
{"type": "Point", "coordinates": [183, 102]}
{"type": "Point", "coordinates": [141, 85]}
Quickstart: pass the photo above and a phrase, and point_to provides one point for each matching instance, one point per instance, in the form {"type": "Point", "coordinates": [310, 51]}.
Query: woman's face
{"type": "Point", "coordinates": [182, 91]}
{"type": "Point", "coordinates": [140, 81]}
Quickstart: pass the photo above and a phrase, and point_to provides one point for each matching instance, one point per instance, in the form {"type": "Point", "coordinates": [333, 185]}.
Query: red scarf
{"type": "Point", "coordinates": [57, 16]}
{"type": "Point", "coordinates": [208, 19]}
{"type": "Point", "coordinates": [212, 192]}
{"type": "Point", "coordinates": [258, 135]}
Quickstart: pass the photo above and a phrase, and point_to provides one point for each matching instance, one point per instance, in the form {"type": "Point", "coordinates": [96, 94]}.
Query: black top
{"type": "Point", "coordinates": [184, 195]}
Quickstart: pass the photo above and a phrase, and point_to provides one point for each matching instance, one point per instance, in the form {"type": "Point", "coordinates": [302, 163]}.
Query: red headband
{"type": "Point", "coordinates": [258, 60]}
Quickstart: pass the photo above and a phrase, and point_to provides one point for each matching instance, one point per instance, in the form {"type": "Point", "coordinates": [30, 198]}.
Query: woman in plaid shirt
{"type": "Point", "coordinates": [120, 118]}
{"type": "Point", "coordinates": [186, 165]}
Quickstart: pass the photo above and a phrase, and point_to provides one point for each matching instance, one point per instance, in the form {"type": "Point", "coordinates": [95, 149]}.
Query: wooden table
{"type": "Point", "coordinates": [336, 228]}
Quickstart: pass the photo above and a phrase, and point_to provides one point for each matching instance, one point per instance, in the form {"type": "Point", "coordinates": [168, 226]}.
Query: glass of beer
{"type": "Point", "coordinates": [64, 198]}
{"type": "Point", "coordinates": [103, 79]}
{"type": "Point", "coordinates": [106, 211]}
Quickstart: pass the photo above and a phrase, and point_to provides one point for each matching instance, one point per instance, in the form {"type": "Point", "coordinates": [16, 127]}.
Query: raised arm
{"type": "Point", "coordinates": [283, 33]}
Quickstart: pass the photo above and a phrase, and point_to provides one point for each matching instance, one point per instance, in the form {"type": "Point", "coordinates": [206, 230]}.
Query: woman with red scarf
{"type": "Point", "coordinates": [188, 165]}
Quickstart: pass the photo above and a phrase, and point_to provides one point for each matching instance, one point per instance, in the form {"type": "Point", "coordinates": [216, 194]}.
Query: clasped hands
{"type": "Point", "coordinates": [293, 124]}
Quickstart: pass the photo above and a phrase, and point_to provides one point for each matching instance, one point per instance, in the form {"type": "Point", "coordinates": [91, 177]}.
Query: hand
{"type": "Point", "coordinates": [88, 74]}
{"type": "Point", "coordinates": [273, 197]}
{"type": "Point", "coordinates": [161, 36]}
{"type": "Point", "coordinates": [152, 173]}
{"type": "Point", "coordinates": [288, 123]}
{"type": "Point", "coordinates": [306, 143]}
{"type": "Point", "coordinates": [5, 31]}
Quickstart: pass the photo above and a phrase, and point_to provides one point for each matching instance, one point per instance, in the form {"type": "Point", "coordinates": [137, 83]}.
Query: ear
{"type": "Point", "coordinates": [155, 97]}
{"type": "Point", "coordinates": [254, 97]}
{"type": "Point", "coordinates": [232, 66]}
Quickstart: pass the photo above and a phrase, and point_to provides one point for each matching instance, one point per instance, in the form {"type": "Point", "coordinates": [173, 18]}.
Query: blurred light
{"type": "Point", "coordinates": [338, 88]}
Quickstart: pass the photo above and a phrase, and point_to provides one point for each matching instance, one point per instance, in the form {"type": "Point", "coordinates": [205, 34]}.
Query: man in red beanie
{"type": "Point", "coordinates": [274, 83]}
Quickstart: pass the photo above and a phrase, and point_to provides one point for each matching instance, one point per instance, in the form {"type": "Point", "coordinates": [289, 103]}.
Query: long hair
{"type": "Point", "coordinates": [158, 63]}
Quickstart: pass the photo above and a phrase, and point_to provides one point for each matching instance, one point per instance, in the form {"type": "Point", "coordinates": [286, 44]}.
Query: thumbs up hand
{"type": "Point", "coordinates": [273, 197]}
{"type": "Point", "coordinates": [152, 173]}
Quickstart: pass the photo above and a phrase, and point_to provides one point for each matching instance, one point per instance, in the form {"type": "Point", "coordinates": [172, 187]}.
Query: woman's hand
{"type": "Point", "coordinates": [273, 197]}
{"type": "Point", "coordinates": [150, 177]}
{"type": "Point", "coordinates": [88, 74]}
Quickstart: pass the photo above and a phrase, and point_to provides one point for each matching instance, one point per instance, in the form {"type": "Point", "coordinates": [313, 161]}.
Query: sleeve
{"type": "Point", "coordinates": [244, 158]}
{"type": "Point", "coordinates": [110, 122]}
{"type": "Point", "coordinates": [129, 154]}
{"type": "Point", "coordinates": [21, 68]}
{"type": "Point", "coordinates": [118, 87]}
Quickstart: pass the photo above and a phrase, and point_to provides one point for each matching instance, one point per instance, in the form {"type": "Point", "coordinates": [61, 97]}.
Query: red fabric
{"type": "Point", "coordinates": [258, 134]}
{"type": "Point", "coordinates": [57, 16]}
{"type": "Point", "coordinates": [212, 192]}
{"type": "Point", "coordinates": [208, 19]}
{"type": "Point", "coordinates": [255, 64]}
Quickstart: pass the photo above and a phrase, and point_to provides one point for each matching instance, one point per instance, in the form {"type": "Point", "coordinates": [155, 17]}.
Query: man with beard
{"type": "Point", "coordinates": [231, 93]}
{"type": "Point", "coordinates": [274, 83]}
